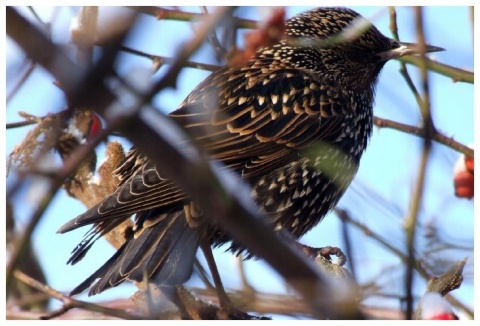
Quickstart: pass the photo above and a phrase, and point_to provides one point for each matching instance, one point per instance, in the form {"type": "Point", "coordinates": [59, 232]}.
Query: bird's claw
{"type": "Point", "coordinates": [325, 252]}
{"type": "Point", "coordinates": [328, 251]}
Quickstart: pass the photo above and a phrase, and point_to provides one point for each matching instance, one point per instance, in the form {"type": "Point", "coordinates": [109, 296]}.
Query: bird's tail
{"type": "Point", "coordinates": [161, 248]}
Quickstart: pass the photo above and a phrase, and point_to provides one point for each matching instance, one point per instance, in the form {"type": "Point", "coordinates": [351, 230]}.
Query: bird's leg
{"type": "Point", "coordinates": [227, 308]}
{"type": "Point", "coordinates": [225, 303]}
{"type": "Point", "coordinates": [323, 251]}
{"type": "Point", "coordinates": [192, 308]}
{"type": "Point", "coordinates": [176, 295]}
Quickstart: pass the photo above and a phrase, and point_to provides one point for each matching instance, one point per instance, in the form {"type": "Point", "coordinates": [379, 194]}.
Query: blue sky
{"type": "Point", "coordinates": [389, 167]}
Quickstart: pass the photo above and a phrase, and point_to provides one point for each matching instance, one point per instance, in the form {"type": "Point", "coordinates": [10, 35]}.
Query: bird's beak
{"type": "Point", "coordinates": [401, 49]}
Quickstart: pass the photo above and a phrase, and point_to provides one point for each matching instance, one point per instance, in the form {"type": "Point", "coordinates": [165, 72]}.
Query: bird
{"type": "Point", "coordinates": [292, 121]}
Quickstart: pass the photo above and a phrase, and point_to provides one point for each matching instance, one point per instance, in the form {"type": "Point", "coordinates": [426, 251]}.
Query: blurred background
{"type": "Point", "coordinates": [379, 197]}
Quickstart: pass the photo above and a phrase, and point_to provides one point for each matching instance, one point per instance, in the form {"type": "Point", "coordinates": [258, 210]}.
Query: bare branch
{"type": "Point", "coordinates": [158, 61]}
{"type": "Point", "coordinates": [68, 302]}
{"type": "Point", "coordinates": [163, 13]}
{"type": "Point", "coordinates": [448, 281]}
{"type": "Point", "coordinates": [456, 74]}
{"type": "Point", "coordinates": [21, 81]}
{"type": "Point", "coordinates": [436, 136]}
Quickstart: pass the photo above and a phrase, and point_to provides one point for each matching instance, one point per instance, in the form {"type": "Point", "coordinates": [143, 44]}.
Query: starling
{"type": "Point", "coordinates": [292, 121]}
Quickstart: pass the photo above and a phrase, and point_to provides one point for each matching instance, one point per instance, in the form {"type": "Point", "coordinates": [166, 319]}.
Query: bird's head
{"type": "Point", "coordinates": [341, 44]}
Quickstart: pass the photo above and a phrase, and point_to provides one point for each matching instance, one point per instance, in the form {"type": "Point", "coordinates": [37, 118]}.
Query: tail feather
{"type": "Point", "coordinates": [97, 231]}
{"type": "Point", "coordinates": [163, 251]}
{"type": "Point", "coordinates": [92, 216]}
{"type": "Point", "coordinates": [98, 273]}
{"type": "Point", "coordinates": [110, 209]}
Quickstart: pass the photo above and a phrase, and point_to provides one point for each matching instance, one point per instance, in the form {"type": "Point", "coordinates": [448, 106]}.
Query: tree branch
{"type": "Point", "coordinates": [420, 132]}
{"type": "Point", "coordinates": [68, 302]}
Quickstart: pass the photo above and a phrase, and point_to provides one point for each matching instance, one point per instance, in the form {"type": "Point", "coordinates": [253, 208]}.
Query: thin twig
{"type": "Point", "coordinates": [220, 51]}
{"type": "Point", "coordinates": [345, 217]}
{"type": "Point", "coordinates": [76, 81]}
{"type": "Point", "coordinates": [84, 32]}
{"type": "Point", "coordinates": [68, 302]}
{"type": "Point", "coordinates": [420, 132]}
{"type": "Point", "coordinates": [418, 265]}
{"type": "Point", "coordinates": [445, 283]}
{"type": "Point", "coordinates": [173, 14]}
{"type": "Point", "coordinates": [159, 60]}
{"type": "Point", "coordinates": [169, 80]}
{"type": "Point", "coordinates": [23, 78]}
{"type": "Point", "coordinates": [403, 67]}
{"type": "Point", "coordinates": [411, 220]}
{"type": "Point", "coordinates": [348, 246]}
{"type": "Point", "coordinates": [19, 124]}
{"type": "Point", "coordinates": [456, 74]}
{"type": "Point", "coordinates": [70, 165]}
{"type": "Point", "coordinates": [46, 26]}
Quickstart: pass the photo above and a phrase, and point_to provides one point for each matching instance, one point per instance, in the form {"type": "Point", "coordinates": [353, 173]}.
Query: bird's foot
{"type": "Point", "coordinates": [233, 313]}
{"type": "Point", "coordinates": [192, 307]}
{"type": "Point", "coordinates": [325, 252]}
{"type": "Point", "coordinates": [228, 311]}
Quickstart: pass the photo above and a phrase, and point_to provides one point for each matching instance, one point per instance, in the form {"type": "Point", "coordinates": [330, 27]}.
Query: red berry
{"type": "Point", "coordinates": [95, 127]}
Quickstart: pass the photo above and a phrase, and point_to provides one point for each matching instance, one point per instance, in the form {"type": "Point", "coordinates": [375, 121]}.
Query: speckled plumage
{"type": "Point", "coordinates": [293, 121]}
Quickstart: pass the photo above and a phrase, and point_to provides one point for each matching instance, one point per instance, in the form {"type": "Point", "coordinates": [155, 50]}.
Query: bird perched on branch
{"type": "Point", "coordinates": [292, 121]}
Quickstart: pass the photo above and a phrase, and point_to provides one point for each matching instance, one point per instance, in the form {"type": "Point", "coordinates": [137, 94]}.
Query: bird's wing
{"type": "Point", "coordinates": [256, 121]}
{"type": "Point", "coordinates": [141, 188]}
